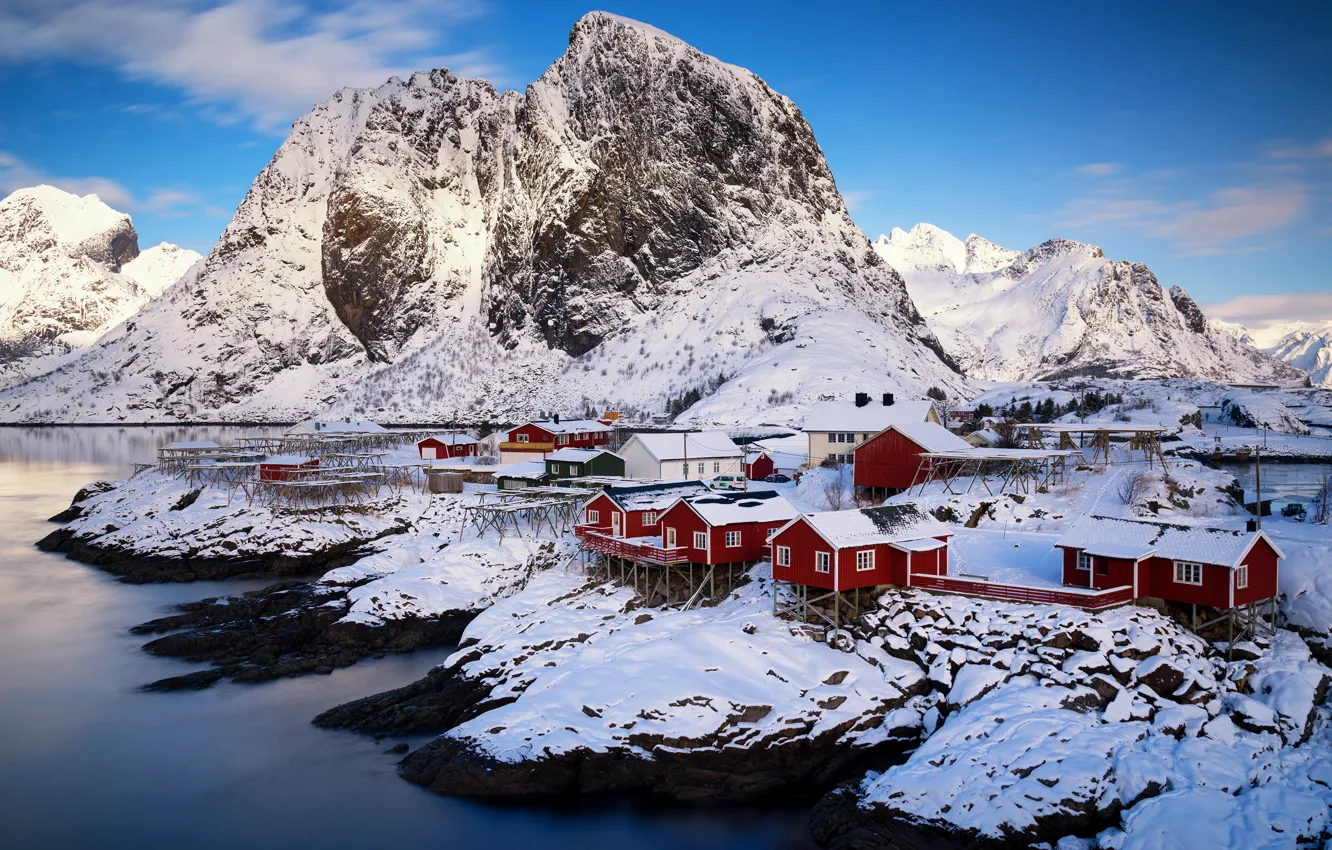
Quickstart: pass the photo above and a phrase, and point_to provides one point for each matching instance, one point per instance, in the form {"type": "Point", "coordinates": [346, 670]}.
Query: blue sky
{"type": "Point", "coordinates": [1196, 138]}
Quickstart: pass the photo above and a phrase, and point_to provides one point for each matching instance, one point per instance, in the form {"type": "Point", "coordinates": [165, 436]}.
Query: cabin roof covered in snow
{"type": "Point", "coordinates": [1105, 536]}
{"type": "Point", "coordinates": [930, 436]}
{"type": "Point", "coordinates": [730, 508]}
{"type": "Point", "coordinates": [453, 439]}
{"type": "Point", "coordinates": [870, 419]}
{"type": "Point", "coordinates": [571, 426]}
{"type": "Point", "coordinates": [578, 455]}
{"type": "Point", "coordinates": [647, 497]}
{"type": "Point", "coordinates": [867, 526]}
{"type": "Point", "coordinates": [351, 426]}
{"type": "Point", "coordinates": [699, 445]}
{"type": "Point", "coordinates": [522, 469]}
{"type": "Point", "coordinates": [183, 445]}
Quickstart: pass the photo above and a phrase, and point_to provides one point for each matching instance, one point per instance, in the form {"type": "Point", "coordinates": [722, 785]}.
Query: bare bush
{"type": "Point", "coordinates": [1322, 501]}
{"type": "Point", "coordinates": [1133, 488]}
{"type": "Point", "coordinates": [835, 486]}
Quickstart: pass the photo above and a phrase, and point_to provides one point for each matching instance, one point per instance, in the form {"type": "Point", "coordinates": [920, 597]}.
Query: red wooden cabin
{"type": "Point", "coordinates": [725, 528]}
{"type": "Point", "coordinates": [286, 467]}
{"type": "Point", "coordinates": [636, 511]}
{"type": "Point", "coordinates": [844, 550]}
{"type": "Point", "coordinates": [890, 461]}
{"type": "Point", "coordinates": [445, 446]}
{"type": "Point", "coordinates": [1215, 567]}
{"type": "Point", "coordinates": [535, 440]}
{"type": "Point", "coordinates": [759, 466]}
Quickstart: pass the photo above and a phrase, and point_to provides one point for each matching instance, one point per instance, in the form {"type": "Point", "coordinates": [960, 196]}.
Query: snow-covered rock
{"type": "Point", "coordinates": [1062, 308]}
{"type": "Point", "coordinates": [642, 221]}
{"type": "Point", "coordinates": [1308, 347]}
{"type": "Point", "coordinates": [70, 270]}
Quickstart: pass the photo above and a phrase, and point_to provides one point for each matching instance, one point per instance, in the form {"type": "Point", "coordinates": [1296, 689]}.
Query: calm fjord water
{"type": "Point", "coordinates": [87, 761]}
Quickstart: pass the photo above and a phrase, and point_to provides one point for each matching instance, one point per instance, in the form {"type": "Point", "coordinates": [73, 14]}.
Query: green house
{"type": "Point", "coordinates": [582, 463]}
{"type": "Point", "coordinates": [516, 476]}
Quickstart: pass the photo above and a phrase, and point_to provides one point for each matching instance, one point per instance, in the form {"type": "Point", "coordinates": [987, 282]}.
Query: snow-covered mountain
{"type": "Point", "coordinates": [642, 221]}
{"type": "Point", "coordinates": [70, 269]}
{"type": "Point", "coordinates": [1304, 345]}
{"type": "Point", "coordinates": [1062, 308]}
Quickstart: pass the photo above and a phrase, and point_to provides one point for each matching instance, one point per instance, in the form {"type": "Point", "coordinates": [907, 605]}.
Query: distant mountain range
{"type": "Point", "coordinates": [1063, 309]}
{"type": "Point", "coordinates": [70, 270]}
{"type": "Point", "coordinates": [1306, 345]}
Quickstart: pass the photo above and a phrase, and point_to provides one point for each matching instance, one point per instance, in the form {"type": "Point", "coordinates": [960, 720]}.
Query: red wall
{"type": "Point", "coordinates": [631, 522]}
{"type": "Point", "coordinates": [760, 468]}
{"type": "Point", "coordinates": [1156, 577]}
{"type": "Point", "coordinates": [446, 450]}
{"type": "Point", "coordinates": [283, 471]}
{"type": "Point", "coordinates": [753, 537]}
{"type": "Point", "coordinates": [804, 542]}
{"type": "Point", "coordinates": [534, 434]}
{"type": "Point", "coordinates": [537, 434]}
{"type": "Point", "coordinates": [890, 564]}
{"type": "Point", "coordinates": [1262, 562]}
{"type": "Point", "coordinates": [889, 460]}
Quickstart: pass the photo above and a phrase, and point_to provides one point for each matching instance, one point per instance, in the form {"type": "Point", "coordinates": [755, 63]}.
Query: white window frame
{"type": "Point", "coordinates": [716, 466]}
{"type": "Point", "coordinates": [822, 562]}
{"type": "Point", "coordinates": [864, 560]}
{"type": "Point", "coordinates": [832, 438]}
{"type": "Point", "coordinates": [1183, 568]}
{"type": "Point", "coordinates": [732, 536]}
{"type": "Point", "coordinates": [1084, 561]}
{"type": "Point", "coordinates": [520, 438]}
{"type": "Point", "coordinates": [670, 538]}
{"type": "Point", "coordinates": [649, 517]}
{"type": "Point", "coordinates": [700, 467]}
{"type": "Point", "coordinates": [783, 556]}
{"type": "Point", "coordinates": [1241, 576]}
{"type": "Point", "coordinates": [593, 516]}
{"type": "Point", "coordinates": [700, 540]}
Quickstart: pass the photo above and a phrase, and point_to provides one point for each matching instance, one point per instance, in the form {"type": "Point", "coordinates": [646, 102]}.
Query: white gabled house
{"type": "Point", "coordinates": [682, 455]}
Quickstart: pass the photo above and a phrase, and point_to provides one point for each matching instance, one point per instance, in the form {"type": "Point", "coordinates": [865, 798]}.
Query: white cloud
{"type": "Point", "coordinates": [1099, 169]}
{"type": "Point", "coordinates": [855, 198]}
{"type": "Point", "coordinates": [268, 60]}
{"type": "Point", "coordinates": [17, 174]}
{"type": "Point", "coordinates": [1258, 311]}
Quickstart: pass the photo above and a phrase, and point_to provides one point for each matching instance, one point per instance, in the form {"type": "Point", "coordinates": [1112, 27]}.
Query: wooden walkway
{"type": "Point", "coordinates": [1091, 600]}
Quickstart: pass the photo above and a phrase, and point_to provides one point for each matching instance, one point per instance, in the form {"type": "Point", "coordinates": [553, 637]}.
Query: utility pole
{"type": "Point", "coordinates": [1258, 482]}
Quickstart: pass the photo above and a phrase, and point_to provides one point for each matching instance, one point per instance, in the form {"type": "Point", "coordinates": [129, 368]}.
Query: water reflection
{"type": "Point", "coordinates": [87, 761]}
{"type": "Point", "coordinates": [1282, 482]}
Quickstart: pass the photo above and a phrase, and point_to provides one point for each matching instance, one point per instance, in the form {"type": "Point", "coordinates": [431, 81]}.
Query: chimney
{"type": "Point", "coordinates": [862, 399]}
{"type": "Point", "coordinates": [557, 419]}
{"type": "Point", "coordinates": [1251, 526]}
{"type": "Point", "coordinates": [887, 399]}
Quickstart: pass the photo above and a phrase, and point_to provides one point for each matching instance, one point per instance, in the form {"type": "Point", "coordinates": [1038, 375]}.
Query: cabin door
{"type": "Point", "coordinates": [670, 538]}
{"type": "Point", "coordinates": [428, 453]}
{"type": "Point", "coordinates": [615, 525]}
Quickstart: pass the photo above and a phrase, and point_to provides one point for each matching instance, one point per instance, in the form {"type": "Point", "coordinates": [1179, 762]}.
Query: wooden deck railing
{"type": "Point", "coordinates": [598, 540]}
{"type": "Point", "coordinates": [1089, 599]}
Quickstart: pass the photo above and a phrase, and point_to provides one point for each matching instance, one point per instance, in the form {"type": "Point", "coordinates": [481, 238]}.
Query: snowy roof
{"type": "Point", "coordinates": [571, 426]}
{"type": "Point", "coordinates": [987, 436]}
{"type": "Point", "coordinates": [453, 439]}
{"type": "Point", "coordinates": [647, 497]}
{"type": "Point", "coordinates": [795, 445]}
{"type": "Point", "coordinates": [930, 436]}
{"type": "Point", "coordinates": [522, 469]}
{"type": "Point", "coordinates": [729, 508]}
{"type": "Point", "coordinates": [578, 455]}
{"type": "Point", "coordinates": [700, 444]}
{"type": "Point", "coordinates": [351, 426]}
{"type": "Point", "coordinates": [872, 418]}
{"type": "Point", "coordinates": [192, 444]}
{"type": "Point", "coordinates": [924, 544]}
{"type": "Point", "coordinates": [287, 460]}
{"type": "Point", "coordinates": [886, 524]}
{"type": "Point", "coordinates": [1106, 536]}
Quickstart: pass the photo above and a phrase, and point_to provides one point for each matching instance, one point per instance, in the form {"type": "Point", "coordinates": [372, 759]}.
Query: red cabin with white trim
{"type": "Point", "coordinates": [759, 466]}
{"type": "Point", "coordinates": [1216, 567]}
{"type": "Point", "coordinates": [445, 446]}
{"type": "Point", "coordinates": [725, 528]}
{"type": "Point", "coordinates": [845, 550]}
{"type": "Point", "coordinates": [636, 511]}
{"type": "Point", "coordinates": [891, 459]}
{"type": "Point", "coordinates": [535, 440]}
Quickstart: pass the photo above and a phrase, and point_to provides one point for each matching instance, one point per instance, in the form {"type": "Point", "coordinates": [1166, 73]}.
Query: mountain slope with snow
{"type": "Point", "coordinates": [1307, 347]}
{"type": "Point", "coordinates": [642, 221]}
{"type": "Point", "coordinates": [70, 269]}
{"type": "Point", "coordinates": [1062, 308]}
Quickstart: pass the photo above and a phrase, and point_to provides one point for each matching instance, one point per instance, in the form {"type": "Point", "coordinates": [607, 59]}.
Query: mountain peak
{"type": "Point", "coordinates": [596, 21]}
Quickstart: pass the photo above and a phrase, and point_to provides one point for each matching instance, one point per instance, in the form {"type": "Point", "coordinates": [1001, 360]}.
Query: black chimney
{"type": "Point", "coordinates": [887, 399]}
{"type": "Point", "coordinates": [1251, 526]}
{"type": "Point", "coordinates": [862, 399]}
{"type": "Point", "coordinates": [557, 419]}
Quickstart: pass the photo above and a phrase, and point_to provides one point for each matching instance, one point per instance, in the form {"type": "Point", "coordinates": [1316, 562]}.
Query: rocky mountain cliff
{"type": "Point", "coordinates": [1063, 309]}
{"type": "Point", "coordinates": [70, 269]}
{"type": "Point", "coordinates": [642, 222]}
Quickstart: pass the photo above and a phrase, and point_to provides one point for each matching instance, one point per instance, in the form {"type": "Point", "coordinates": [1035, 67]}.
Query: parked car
{"type": "Point", "coordinates": [777, 478]}
{"type": "Point", "coordinates": [728, 482]}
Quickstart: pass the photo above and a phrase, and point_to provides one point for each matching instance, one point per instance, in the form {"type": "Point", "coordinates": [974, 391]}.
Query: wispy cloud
{"type": "Point", "coordinates": [1257, 311]}
{"type": "Point", "coordinates": [1099, 169]}
{"type": "Point", "coordinates": [268, 61]}
{"type": "Point", "coordinates": [1291, 150]}
{"type": "Point", "coordinates": [855, 198]}
{"type": "Point", "coordinates": [17, 174]}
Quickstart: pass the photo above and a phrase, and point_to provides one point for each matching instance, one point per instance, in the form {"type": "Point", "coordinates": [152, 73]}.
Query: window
{"type": "Point", "coordinates": [832, 438]}
{"type": "Point", "coordinates": [822, 560]}
{"type": "Point", "coordinates": [564, 439]}
{"type": "Point", "coordinates": [649, 517]}
{"type": "Point", "coordinates": [1242, 576]}
{"type": "Point", "coordinates": [700, 468]}
{"type": "Point", "coordinates": [716, 466]}
{"type": "Point", "coordinates": [864, 437]}
{"type": "Point", "coordinates": [554, 469]}
{"type": "Point", "coordinates": [594, 516]}
{"type": "Point", "coordinates": [1084, 561]}
{"type": "Point", "coordinates": [700, 540]}
{"type": "Point", "coordinates": [1188, 572]}
{"type": "Point", "coordinates": [783, 556]}
{"type": "Point", "coordinates": [520, 438]}
{"type": "Point", "coordinates": [864, 560]}
{"type": "Point", "coordinates": [850, 438]}
{"type": "Point", "coordinates": [732, 538]}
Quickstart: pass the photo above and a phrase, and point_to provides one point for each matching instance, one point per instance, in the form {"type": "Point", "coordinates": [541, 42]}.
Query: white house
{"type": "Point", "coordinates": [835, 428]}
{"type": "Point", "coordinates": [695, 454]}
{"type": "Point", "coordinates": [337, 428]}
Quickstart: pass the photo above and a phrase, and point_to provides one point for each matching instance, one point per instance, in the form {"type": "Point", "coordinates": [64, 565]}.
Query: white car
{"type": "Point", "coordinates": [728, 482]}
